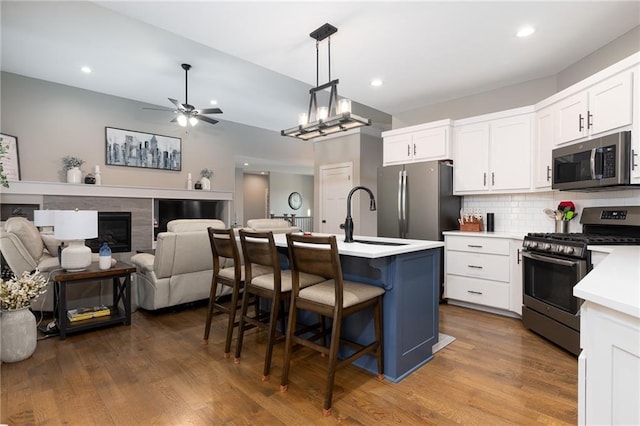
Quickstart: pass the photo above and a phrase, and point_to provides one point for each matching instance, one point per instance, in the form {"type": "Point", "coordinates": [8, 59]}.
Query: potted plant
{"type": "Point", "coordinates": [205, 178]}
{"type": "Point", "coordinates": [17, 322]}
{"type": "Point", "coordinates": [72, 166]}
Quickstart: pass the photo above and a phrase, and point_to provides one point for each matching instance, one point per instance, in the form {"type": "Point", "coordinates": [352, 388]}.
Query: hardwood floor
{"type": "Point", "coordinates": [157, 371]}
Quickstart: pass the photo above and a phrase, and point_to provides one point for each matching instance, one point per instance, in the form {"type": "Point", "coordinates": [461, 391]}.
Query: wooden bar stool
{"type": "Point", "coordinates": [261, 255]}
{"type": "Point", "coordinates": [333, 298]}
{"type": "Point", "coordinates": [224, 245]}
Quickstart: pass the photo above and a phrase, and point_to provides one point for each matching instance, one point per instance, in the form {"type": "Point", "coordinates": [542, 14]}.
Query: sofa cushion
{"type": "Point", "coordinates": [51, 244]}
{"type": "Point", "coordinates": [187, 225]}
{"type": "Point", "coordinates": [28, 235]}
{"type": "Point", "coordinates": [260, 224]}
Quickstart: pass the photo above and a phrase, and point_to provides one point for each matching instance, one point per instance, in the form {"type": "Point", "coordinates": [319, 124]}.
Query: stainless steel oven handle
{"type": "Point", "coordinates": [553, 260]}
{"type": "Point", "coordinates": [592, 163]}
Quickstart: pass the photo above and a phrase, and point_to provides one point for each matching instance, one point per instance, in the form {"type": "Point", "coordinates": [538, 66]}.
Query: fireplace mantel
{"type": "Point", "coordinates": [85, 190]}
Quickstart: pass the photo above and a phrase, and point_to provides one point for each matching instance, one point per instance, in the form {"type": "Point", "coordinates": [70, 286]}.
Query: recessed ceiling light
{"type": "Point", "coordinates": [525, 31]}
{"type": "Point", "coordinates": [86, 70]}
{"type": "Point", "coordinates": [245, 164]}
{"type": "Point", "coordinates": [376, 82]}
{"type": "Point", "coordinates": [213, 102]}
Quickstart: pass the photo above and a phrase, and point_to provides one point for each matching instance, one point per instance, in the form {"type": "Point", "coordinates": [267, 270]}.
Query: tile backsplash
{"type": "Point", "coordinates": [522, 213]}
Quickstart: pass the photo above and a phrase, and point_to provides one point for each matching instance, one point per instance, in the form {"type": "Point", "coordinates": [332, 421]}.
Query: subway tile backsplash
{"type": "Point", "coordinates": [522, 213]}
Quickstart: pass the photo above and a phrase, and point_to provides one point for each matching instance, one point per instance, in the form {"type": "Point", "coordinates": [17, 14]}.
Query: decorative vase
{"type": "Point", "coordinates": [206, 183]}
{"type": "Point", "coordinates": [74, 175]}
{"type": "Point", "coordinates": [18, 334]}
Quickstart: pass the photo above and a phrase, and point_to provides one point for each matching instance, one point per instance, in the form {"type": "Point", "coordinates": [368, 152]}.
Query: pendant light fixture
{"type": "Point", "coordinates": [325, 120]}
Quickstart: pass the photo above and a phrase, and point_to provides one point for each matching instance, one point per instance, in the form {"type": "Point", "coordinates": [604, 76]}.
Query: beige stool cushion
{"type": "Point", "coordinates": [266, 281]}
{"type": "Point", "coordinates": [354, 293]}
{"type": "Point", "coordinates": [258, 270]}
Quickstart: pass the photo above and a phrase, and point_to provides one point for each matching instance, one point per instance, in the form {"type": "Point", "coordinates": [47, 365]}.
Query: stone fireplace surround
{"type": "Point", "coordinates": [138, 201]}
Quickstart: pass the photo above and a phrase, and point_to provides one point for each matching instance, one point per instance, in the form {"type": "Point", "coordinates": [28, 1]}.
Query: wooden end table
{"type": "Point", "coordinates": [120, 275]}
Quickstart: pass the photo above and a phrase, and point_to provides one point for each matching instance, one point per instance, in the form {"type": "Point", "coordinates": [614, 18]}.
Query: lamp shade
{"type": "Point", "coordinates": [44, 217]}
{"type": "Point", "coordinates": [76, 224]}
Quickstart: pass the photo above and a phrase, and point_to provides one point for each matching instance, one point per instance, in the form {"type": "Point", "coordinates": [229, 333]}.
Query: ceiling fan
{"type": "Point", "coordinates": [187, 113]}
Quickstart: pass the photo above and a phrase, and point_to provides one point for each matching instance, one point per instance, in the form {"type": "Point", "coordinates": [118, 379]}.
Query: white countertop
{"type": "Point", "coordinates": [615, 282]}
{"type": "Point", "coordinates": [510, 235]}
{"type": "Point", "coordinates": [373, 251]}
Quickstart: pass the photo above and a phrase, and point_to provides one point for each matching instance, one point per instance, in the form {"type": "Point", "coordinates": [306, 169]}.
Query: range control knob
{"type": "Point", "coordinates": [568, 250]}
{"type": "Point", "coordinates": [546, 246]}
{"type": "Point", "coordinates": [533, 244]}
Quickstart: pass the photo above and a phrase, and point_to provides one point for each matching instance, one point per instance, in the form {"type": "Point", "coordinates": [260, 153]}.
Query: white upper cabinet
{"type": "Point", "coordinates": [493, 152]}
{"type": "Point", "coordinates": [425, 142]}
{"type": "Point", "coordinates": [545, 141]}
{"type": "Point", "coordinates": [605, 106]}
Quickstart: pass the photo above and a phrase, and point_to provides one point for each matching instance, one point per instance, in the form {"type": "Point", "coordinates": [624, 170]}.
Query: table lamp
{"type": "Point", "coordinates": [44, 219]}
{"type": "Point", "coordinates": [74, 226]}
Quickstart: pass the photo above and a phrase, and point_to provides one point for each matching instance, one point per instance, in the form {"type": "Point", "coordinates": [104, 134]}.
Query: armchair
{"type": "Point", "coordinates": [181, 269]}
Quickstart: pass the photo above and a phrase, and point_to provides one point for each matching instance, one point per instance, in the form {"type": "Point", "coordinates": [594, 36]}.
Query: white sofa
{"type": "Point", "coordinates": [277, 226]}
{"type": "Point", "coordinates": [181, 269]}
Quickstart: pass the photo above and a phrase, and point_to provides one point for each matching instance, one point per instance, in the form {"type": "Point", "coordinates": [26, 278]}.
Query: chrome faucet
{"type": "Point", "coordinates": [348, 223]}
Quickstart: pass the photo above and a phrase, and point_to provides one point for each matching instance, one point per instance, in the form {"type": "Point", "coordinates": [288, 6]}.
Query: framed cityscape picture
{"type": "Point", "coordinates": [10, 159]}
{"type": "Point", "coordinates": [147, 150]}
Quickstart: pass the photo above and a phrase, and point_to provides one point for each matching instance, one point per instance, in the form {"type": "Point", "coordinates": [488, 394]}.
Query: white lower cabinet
{"type": "Point", "coordinates": [479, 270]}
{"type": "Point", "coordinates": [609, 367]}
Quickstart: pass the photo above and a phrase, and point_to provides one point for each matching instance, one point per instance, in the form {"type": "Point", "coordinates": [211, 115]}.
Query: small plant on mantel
{"type": "Point", "coordinates": [70, 162]}
{"type": "Point", "coordinates": [207, 173]}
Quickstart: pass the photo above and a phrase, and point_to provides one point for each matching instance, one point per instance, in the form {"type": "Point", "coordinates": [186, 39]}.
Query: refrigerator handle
{"type": "Point", "coordinates": [404, 205]}
{"type": "Point", "coordinates": [400, 216]}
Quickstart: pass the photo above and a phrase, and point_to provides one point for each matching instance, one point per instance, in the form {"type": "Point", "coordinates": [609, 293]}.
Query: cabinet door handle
{"type": "Point", "coordinates": [474, 266]}
{"type": "Point", "coordinates": [634, 154]}
{"type": "Point", "coordinates": [408, 150]}
{"type": "Point", "coordinates": [580, 122]}
{"type": "Point", "coordinates": [484, 179]}
{"type": "Point", "coordinates": [589, 119]}
{"type": "Point", "coordinates": [474, 292]}
{"type": "Point", "coordinates": [519, 257]}
{"type": "Point", "coordinates": [493, 179]}
{"type": "Point", "coordinates": [473, 246]}
{"type": "Point", "coordinates": [548, 173]}
{"type": "Point", "coordinates": [414, 149]}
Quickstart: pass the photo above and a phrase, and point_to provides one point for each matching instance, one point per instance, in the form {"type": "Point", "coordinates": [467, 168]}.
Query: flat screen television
{"type": "Point", "coordinates": [167, 210]}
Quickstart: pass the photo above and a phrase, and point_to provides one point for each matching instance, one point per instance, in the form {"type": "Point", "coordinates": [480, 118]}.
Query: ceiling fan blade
{"type": "Point", "coordinates": [206, 119]}
{"type": "Point", "coordinates": [176, 103]}
{"type": "Point", "coordinates": [160, 109]}
{"type": "Point", "coordinates": [210, 111]}
{"type": "Point", "coordinates": [175, 120]}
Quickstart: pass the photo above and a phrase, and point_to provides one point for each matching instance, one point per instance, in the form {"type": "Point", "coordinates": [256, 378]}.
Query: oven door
{"type": "Point", "coordinates": [548, 283]}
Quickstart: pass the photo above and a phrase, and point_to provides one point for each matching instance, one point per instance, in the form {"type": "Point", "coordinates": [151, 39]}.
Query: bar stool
{"type": "Point", "coordinates": [333, 298]}
{"type": "Point", "coordinates": [224, 245]}
{"type": "Point", "coordinates": [260, 254]}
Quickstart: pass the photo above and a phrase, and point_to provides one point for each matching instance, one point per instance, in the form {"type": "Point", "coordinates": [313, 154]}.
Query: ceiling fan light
{"type": "Point", "coordinates": [182, 120]}
{"type": "Point", "coordinates": [193, 121]}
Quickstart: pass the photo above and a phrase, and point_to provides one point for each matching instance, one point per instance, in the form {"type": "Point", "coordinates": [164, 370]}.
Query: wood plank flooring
{"type": "Point", "coordinates": [157, 371]}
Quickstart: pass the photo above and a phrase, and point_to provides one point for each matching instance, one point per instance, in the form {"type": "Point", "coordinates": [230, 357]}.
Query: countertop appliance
{"type": "Point", "coordinates": [416, 201]}
{"type": "Point", "coordinates": [598, 164]}
{"type": "Point", "coordinates": [553, 263]}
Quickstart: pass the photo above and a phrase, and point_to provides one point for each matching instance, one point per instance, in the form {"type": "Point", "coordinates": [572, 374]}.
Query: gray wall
{"type": "Point", "coordinates": [255, 193]}
{"type": "Point", "coordinates": [53, 120]}
{"type": "Point", "coordinates": [283, 184]}
{"type": "Point", "coordinates": [527, 93]}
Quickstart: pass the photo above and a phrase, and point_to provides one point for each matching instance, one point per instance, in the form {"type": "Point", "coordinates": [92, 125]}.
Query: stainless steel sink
{"type": "Point", "coordinates": [379, 243]}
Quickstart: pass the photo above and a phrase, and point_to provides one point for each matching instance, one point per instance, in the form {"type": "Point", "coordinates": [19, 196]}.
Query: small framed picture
{"type": "Point", "coordinates": [10, 159]}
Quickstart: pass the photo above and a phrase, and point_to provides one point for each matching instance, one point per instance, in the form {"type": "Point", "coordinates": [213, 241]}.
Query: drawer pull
{"type": "Point", "coordinates": [474, 246]}
{"type": "Point", "coordinates": [474, 292]}
{"type": "Point", "coordinates": [474, 266]}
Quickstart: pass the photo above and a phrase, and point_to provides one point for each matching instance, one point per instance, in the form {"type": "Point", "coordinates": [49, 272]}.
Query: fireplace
{"type": "Point", "coordinates": [114, 228]}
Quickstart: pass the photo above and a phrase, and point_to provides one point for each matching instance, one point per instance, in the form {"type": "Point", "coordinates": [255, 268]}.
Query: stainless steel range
{"type": "Point", "coordinates": [554, 263]}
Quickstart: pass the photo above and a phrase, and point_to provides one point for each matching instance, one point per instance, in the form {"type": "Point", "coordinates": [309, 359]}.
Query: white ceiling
{"type": "Point", "coordinates": [258, 61]}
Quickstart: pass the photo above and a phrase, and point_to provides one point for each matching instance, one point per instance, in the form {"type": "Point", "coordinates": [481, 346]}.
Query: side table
{"type": "Point", "coordinates": [120, 275]}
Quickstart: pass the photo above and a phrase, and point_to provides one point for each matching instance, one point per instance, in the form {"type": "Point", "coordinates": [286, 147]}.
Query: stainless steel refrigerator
{"type": "Point", "coordinates": [416, 201]}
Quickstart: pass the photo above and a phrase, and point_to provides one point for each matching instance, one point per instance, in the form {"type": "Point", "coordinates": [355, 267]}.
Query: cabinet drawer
{"type": "Point", "coordinates": [477, 244]}
{"type": "Point", "coordinates": [478, 265]}
{"type": "Point", "coordinates": [473, 290]}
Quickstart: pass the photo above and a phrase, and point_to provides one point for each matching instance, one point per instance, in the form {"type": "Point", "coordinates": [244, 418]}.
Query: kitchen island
{"type": "Point", "coordinates": [409, 271]}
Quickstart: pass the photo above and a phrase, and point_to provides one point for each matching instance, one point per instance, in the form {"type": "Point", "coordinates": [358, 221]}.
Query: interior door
{"type": "Point", "coordinates": [335, 184]}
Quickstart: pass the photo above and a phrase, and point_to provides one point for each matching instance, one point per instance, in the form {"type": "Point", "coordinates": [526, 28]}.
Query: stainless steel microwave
{"type": "Point", "coordinates": [597, 164]}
